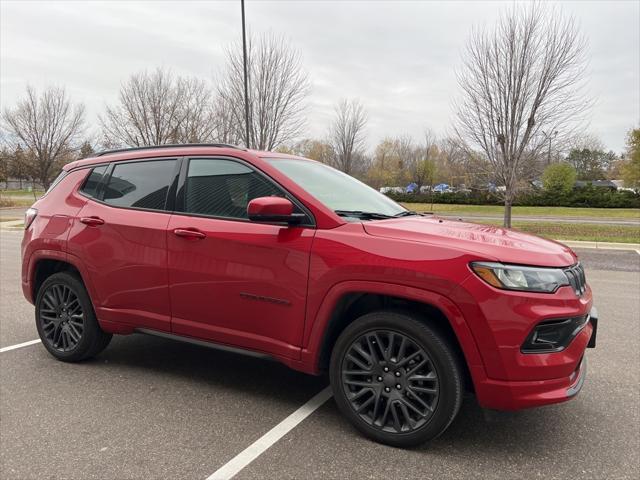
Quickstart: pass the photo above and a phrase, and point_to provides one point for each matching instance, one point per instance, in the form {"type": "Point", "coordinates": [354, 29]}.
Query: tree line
{"type": "Point", "coordinates": [520, 107]}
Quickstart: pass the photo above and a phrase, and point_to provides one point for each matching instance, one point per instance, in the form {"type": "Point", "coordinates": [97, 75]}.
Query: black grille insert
{"type": "Point", "coordinates": [576, 277]}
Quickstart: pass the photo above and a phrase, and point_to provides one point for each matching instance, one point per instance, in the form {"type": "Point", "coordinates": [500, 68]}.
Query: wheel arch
{"type": "Point", "coordinates": [45, 267]}
{"type": "Point", "coordinates": [43, 264]}
{"type": "Point", "coordinates": [347, 301]}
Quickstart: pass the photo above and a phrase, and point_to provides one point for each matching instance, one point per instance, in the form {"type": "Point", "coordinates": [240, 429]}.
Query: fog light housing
{"type": "Point", "coordinates": [553, 335]}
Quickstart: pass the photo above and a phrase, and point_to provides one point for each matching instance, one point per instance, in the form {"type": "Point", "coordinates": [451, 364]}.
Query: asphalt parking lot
{"type": "Point", "coordinates": [152, 408]}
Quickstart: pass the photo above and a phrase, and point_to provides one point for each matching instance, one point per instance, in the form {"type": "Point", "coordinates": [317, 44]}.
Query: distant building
{"type": "Point", "coordinates": [597, 183]}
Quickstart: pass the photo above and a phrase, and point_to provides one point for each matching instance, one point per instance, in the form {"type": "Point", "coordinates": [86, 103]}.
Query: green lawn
{"type": "Point", "coordinates": [480, 210]}
{"type": "Point", "coordinates": [559, 231]}
{"type": "Point", "coordinates": [18, 198]}
{"type": "Point", "coordinates": [577, 231]}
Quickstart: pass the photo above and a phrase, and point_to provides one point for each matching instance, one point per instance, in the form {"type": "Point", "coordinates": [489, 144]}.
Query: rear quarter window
{"type": "Point", "coordinates": [90, 187]}
{"type": "Point", "coordinates": [140, 184]}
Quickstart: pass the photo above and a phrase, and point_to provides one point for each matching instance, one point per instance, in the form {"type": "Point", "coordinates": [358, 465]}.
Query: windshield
{"type": "Point", "coordinates": [337, 190]}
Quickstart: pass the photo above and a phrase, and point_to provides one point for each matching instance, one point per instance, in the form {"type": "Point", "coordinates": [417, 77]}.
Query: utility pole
{"type": "Point", "coordinates": [246, 87]}
{"type": "Point", "coordinates": [550, 137]}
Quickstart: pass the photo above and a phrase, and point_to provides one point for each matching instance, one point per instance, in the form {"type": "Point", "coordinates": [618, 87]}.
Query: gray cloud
{"type": "Point", "coordinates": [399, 58]}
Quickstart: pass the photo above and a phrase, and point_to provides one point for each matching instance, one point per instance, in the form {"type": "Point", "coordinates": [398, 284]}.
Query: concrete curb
{"type": "Point", "coordinates": [601, 245]}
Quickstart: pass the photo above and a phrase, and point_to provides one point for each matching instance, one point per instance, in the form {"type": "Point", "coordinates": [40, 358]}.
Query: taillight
{"type": "Point", "coordinates": [29, 217]}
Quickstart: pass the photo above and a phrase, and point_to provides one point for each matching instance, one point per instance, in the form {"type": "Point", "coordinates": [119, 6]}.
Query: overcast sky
{"type": "Point", "coordinates": [398, 58]}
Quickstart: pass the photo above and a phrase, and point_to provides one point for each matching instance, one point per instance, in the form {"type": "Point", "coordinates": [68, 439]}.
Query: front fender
{"type": "Point", "coordinates": [312, 348]}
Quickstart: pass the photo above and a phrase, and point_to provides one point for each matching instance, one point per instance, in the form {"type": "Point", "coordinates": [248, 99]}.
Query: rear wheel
{"type": "Point", "coordinates": [395, 378]}
{"type": "Point", "coordinates": [65, 319]}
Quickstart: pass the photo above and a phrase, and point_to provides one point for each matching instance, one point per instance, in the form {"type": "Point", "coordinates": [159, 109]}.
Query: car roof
{"type": "Point", "coordinates": [169, 150]}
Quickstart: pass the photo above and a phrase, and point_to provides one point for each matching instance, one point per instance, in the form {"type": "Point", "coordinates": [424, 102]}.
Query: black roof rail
{"type": "Point", "coordinates": [168, 145]}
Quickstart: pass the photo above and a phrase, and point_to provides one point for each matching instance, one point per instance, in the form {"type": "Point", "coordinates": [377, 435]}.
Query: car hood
{"type": "Point", "coordinates": [488, 242]}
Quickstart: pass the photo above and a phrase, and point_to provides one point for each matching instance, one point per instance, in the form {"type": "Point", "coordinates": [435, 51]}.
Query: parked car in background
{"type": "Point", "coordinates": [283, 257]}
{"type": "Point", "coordinates": [442, 188]}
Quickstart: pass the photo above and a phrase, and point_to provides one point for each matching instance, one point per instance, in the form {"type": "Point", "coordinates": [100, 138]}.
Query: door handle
{"type": "Point", "coordinates": [189, 233]}
{"type": "Point", "coordinates": [92, 221]}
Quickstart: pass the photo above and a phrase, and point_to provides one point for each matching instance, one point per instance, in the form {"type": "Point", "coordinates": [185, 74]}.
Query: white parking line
{"type": "Point", "coordinates": [638, 252]}
{"type": "Point", "coordinates": [19, 345]}
{"type": "Point", "coordinates": [257, 448]}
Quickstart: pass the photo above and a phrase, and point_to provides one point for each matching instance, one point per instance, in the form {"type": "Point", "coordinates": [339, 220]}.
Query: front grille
{"type": "Point", "coordinates": [576, 277]}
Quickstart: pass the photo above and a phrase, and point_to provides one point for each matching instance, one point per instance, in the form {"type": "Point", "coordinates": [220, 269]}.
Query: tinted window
{"type": "Point", "coordinates": [140, 184]}
{"type": "Point", "coordinates": [223, 188]}
{"type": "Point", "coordinates": [90, 187]}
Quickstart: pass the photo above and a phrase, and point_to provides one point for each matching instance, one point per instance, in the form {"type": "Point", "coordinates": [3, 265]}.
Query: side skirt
{"type": "Point", "coordinates": [203, 343]}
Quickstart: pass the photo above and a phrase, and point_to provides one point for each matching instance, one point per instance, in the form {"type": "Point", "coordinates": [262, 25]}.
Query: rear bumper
{"type": "Point", "coordinates": [516, 395]}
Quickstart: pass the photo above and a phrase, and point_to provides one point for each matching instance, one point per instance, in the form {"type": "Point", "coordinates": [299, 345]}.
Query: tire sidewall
{"type": "Point", "coordinates": [443, 360]}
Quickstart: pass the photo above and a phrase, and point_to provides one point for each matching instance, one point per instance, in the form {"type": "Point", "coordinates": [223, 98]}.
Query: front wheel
{"type": "Point", "coordinates": [65, 319]}
{"type": "Point", "coordinates": [395, 378]}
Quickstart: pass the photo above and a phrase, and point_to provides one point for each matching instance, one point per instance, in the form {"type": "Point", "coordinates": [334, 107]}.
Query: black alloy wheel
{"type": "Point", "coordinates": [397, 377]}
{"type": "Point", "coordinates": [390, 381]}
{"type": "Point", "coordinates": [66, 321]}
{"type": "Point", "coordinates": [61, 317]}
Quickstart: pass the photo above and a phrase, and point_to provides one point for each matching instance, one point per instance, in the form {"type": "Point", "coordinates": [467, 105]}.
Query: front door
{"type": "Point", "coordinates": [231, 280]}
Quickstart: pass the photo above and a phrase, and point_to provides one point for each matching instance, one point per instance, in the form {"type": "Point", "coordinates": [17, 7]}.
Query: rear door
{"type": "Point", "coordinates": [232, 280]}
{"type": "Point", "coordinates": [120, 235]}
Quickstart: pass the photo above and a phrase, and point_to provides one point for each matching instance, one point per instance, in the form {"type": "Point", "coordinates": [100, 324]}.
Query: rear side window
{"type": "Point", "coordinates": [140, 184]}
{"type": "Point", "coordinates": [90, 187]}
{"type": "Point", "coordinates": [223, 188]}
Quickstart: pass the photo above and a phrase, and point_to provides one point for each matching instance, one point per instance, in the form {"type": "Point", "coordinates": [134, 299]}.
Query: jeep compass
{"type": "Point", "coordinates": [288, 258]}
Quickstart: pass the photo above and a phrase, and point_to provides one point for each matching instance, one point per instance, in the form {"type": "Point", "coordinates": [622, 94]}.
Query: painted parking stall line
{"type": "Point", "coordinates": [257, 448]}
{"type": "Point", "coordinates": [19, 345]}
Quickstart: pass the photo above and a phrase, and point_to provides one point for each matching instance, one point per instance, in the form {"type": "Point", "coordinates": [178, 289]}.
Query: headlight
{"type": "Point", "coordinates": [516, 277]}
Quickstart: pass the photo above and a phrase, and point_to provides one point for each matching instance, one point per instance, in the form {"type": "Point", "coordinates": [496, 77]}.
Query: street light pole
{"type": "Point", "coordinates": [246, 88]}
{"type": "Point", "coordinates": [550, 137]}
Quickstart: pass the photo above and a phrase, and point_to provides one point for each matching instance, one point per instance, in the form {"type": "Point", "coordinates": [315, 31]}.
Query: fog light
{"type": "Point", "coordinates": [553, 335]}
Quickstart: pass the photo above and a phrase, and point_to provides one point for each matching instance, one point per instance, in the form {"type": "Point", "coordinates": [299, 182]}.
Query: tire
{"type": "Point", "coordinates": [65, 319]}
{"type": "Point", "coordinates": [416, 398]}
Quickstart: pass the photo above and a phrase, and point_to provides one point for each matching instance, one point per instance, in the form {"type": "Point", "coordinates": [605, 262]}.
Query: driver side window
{"type": "Point", "coordinates": [223, 188]}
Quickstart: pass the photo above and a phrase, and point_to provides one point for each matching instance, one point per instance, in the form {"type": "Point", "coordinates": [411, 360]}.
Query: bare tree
{"type": "Point", "coordinates": [347, 134]}
{"type": "Point", "coordinates": [278, 87]}
{"type": "Point", "coordinates": [522, 77]}
{"type": "Point", "coordinates": [160, 108]}
{"type": "Point", "coordinates": [47, 126]}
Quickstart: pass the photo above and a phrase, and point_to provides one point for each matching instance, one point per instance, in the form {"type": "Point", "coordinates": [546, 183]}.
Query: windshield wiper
{"type": "Point", "coordinates": [406, 213]}
{"type": "Point", "coordinates": [363, 215]}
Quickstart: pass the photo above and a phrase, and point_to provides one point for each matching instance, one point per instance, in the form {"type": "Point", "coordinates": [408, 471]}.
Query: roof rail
{"type": "Point", "coordinates": [168, 145]}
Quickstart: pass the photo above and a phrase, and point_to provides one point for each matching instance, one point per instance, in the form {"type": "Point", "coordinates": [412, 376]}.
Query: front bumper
{"type": "Point", "coordinates": [516, 395]}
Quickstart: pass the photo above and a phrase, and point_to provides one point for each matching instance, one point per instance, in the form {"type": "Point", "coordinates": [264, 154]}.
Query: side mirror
{"type": "Point", "coordinates": [273, 210]}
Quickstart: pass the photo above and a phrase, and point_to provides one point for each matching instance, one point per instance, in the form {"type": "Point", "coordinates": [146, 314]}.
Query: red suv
{"type": "Point", "coordinates": [285, 257]}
